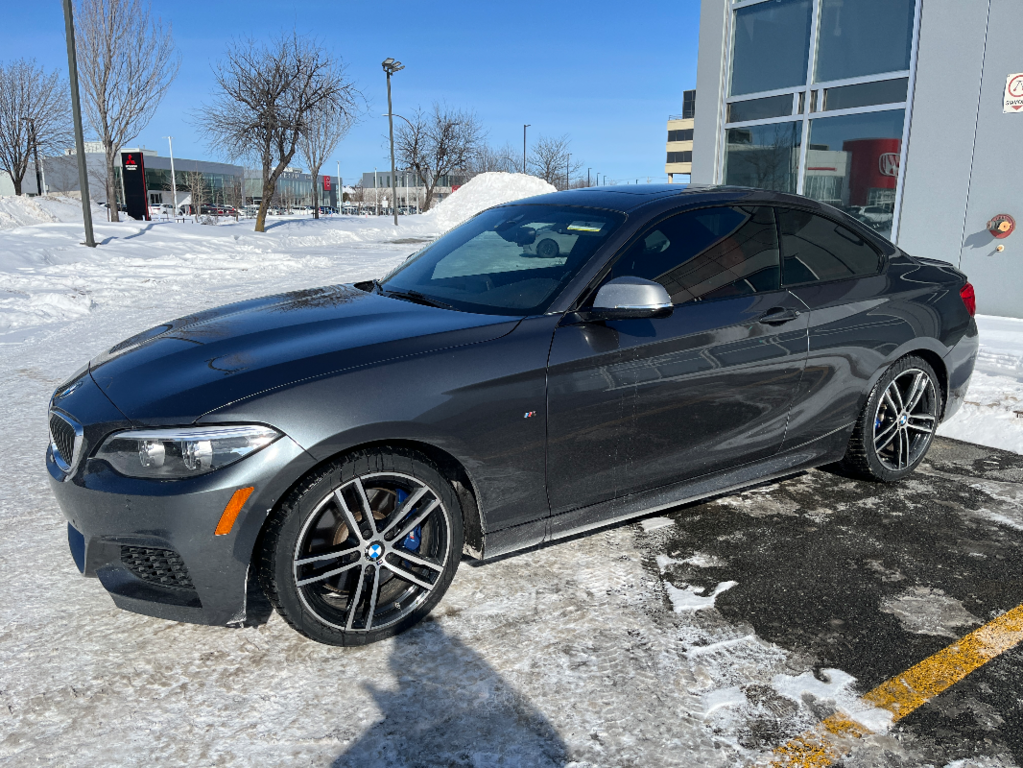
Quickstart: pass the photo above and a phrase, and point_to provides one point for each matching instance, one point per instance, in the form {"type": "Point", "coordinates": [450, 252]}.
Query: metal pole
{"type": "Point", "coordinates": [568, 171]}
{"type": "Point", "coordinates": [76, 112]}
{"type": "Point", "coordinates": [390, 122]}
{"type": "Point", "coordinates": [376, 192]}
{"type": "Point", "coordinates": [524, 147]}
{"type": "Point", "coordinates": [174, 178]}
{"type": "Point", "coordinates": [588, 176]}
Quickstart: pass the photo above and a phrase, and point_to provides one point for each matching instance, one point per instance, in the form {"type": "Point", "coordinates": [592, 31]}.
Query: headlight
{"type": "Point", "coordinates": [168, 454]}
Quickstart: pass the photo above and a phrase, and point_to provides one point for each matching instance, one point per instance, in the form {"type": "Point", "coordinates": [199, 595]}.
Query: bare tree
{"type": "Point", "coordinates": [265, 96]}
{"type": "Point", "coordinates": [323, 133]}
{"type": "Point", "coordinates": [488, 159]}
{"type": "Point", "coordinates": [26, 91]}
{"type": "Point", "coordinates": [551, 161]}
{"type": "Point", "coordinates": [126, 61]}
{"type": "Point", "coordinates": [438, 143]}
{"type": "Point", "coordinates": [195, 183]}
{"type": "Point", "coordinates": [61, 173]}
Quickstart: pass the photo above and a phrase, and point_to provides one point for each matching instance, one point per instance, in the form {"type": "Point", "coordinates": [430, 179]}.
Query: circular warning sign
{"type": "Point", "coordinates": [1013, 101]}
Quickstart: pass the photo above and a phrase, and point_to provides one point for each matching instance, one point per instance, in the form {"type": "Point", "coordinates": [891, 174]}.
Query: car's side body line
{"type": "Point", "coordinates": [824, 450]}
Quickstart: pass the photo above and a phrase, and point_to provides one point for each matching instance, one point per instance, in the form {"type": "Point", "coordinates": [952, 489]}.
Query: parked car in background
{"type": "Point", "coordinates": [161, 211]}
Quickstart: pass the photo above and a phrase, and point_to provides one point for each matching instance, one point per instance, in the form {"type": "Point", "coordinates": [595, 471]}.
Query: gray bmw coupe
{"type": "Point", "coordinates": [551, 366]}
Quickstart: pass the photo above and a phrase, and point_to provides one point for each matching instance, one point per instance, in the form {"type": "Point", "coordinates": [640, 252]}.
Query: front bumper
{"type": "Point", "coordinates": [124, 522]}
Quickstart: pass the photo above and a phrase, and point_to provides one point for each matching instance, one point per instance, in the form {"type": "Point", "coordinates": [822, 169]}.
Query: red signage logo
{"type": "Point", "coordinates": [326, 183]}
{"type": "Point", "coordinates": [888, 164]}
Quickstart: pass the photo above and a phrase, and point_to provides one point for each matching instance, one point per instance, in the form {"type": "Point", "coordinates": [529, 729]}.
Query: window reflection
{"type": "Point", "coordinates": [863, 37]}
{"type": "Point", "coordinates": [852, 163]}
{"type": "Point", "coordinates": [771, 46]}
{"type": "Point", "coordinates": [763, 156]}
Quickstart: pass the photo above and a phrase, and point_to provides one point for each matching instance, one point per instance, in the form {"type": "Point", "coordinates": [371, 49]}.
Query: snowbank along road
{"type": "Point", "coordinates": [719, 634]}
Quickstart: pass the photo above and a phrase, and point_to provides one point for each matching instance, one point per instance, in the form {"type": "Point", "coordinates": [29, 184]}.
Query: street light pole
{"type": "Point", "coordinates": [524, 147]}
{"type": "Point", "coordinates": [568, 171]}
{"type": "Point", "coordinates": [588, 176]}
{"type": "Point", "coordinates": [76, 112]}
{"type": "Point", "coordinates": [390, 67]}
{"type": "Point", "coordinates": [174, 178]}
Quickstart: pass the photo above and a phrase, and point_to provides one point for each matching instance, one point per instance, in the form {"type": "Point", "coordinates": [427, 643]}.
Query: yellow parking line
{"type": "Point", "coordinates": [907, 692]}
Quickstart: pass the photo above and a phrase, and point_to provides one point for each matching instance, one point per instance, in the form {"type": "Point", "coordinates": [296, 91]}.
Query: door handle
{"type": "Point", "coordinates": [777, 316]}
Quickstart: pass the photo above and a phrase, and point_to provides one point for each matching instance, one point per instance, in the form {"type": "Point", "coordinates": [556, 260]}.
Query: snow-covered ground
{"type": "Point", "coordinates": [577, 650]}
{"type": "Point", "coordinates": [993, 412]}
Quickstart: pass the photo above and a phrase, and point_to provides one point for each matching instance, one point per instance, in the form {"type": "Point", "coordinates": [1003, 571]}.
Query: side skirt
{"type": "Point", "coordinates": [826, 450]}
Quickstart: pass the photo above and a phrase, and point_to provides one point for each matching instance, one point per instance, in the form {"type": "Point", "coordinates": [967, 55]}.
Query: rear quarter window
{"type": "Point", "coordinates": [817, 249]}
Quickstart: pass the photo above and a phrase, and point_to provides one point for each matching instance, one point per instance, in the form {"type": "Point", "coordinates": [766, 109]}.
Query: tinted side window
{"type": "Point", "coordinates": [707, 254]}
{"type": "Point", "coordinates": [816, 249]}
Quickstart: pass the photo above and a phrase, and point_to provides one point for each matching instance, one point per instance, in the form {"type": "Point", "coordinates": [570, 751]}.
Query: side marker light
{"type": "Point", "coordinates": [234, 506]}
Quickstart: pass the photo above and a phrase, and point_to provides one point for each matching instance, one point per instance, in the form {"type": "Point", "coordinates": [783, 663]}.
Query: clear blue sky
{"type": "Point", "coordinates": [608, 74]}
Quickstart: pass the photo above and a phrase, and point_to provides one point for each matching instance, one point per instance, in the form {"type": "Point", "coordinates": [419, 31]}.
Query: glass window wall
{"type": "Point", "coordinates": [863, 37]}
{"type": "Point", "coordinates": [780, 129]}
{"type": "Point", "coordinates": [770, 47]}
{"type": "Point", "coordinates": [763, 156]}
{"type": "Point", "coordinates": [852, 163]}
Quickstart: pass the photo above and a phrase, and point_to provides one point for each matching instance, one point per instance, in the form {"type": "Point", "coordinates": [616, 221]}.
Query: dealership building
{"type": "Point", "coordinates": [222, 183]}
{"type": "Point", "coordinates": [907, 114]}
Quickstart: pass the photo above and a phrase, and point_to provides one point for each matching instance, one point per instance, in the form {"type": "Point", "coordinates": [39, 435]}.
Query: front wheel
{"type": "Point", "coordinates": [364, 548]}
{"type": "Point", "coordinates": [897, 425]}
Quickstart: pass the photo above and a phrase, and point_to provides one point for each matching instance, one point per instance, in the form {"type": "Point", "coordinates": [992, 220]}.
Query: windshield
{"type": "Point", "coordinates": [507, 261]}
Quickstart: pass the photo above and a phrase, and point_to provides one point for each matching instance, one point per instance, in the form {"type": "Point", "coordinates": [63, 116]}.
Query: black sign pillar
{"type": "Point", "coordinates": [136, 197]}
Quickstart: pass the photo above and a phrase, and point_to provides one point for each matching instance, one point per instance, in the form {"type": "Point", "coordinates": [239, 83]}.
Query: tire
{"type": "Point", "coordinates": [897, 425]}
{"type": "Point", "coordinates": [343, 577]}
{"type": "Point", "coordinates": [547, 249]}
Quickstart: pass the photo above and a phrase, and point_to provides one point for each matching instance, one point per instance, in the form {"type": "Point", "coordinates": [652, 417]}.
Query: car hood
{"type": "Point", "coordinates": [176, 372]}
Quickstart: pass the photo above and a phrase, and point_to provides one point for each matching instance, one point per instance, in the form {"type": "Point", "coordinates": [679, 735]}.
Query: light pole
{"type": "Point", "coordinates": [588, 176]}
{"type": "Point", "coordinates": [390, 67]}
{"type": "Point", "coordinates": [524, 146]}
{"type": "Point", "coordinates": [568, 171]}
{"type": "Point", "coordinates": [174, 178]}
{"type": "Point", "coordinates": [340, 189]}
{"type": "Point", "coordinates": [76, 112]}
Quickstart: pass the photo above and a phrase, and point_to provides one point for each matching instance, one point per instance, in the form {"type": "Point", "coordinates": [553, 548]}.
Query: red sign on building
{"type": "Point", "coordinates": [326, 183]}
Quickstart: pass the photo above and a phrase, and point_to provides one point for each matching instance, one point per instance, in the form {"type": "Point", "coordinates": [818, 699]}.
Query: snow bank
{"type": "Point", "coordinates": [485, 191]}
{"type": "Point", "coordinates": [993, 412]}
{"type": "Point", "coordinates": [22, 211]}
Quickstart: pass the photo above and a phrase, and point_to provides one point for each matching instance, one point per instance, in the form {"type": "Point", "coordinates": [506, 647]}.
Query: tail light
{"type": "Point", "coordinates": [969, 298]}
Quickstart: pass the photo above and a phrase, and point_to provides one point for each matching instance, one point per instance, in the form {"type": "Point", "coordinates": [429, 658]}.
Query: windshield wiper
{"type": "Point", "coordinates": [414, 296]}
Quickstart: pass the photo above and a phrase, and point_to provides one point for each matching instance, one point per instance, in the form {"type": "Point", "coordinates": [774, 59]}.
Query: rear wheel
{"type": "Point", "coordinates": [363, 549]}
{"type": "Point", "coordinates": [897, 425]}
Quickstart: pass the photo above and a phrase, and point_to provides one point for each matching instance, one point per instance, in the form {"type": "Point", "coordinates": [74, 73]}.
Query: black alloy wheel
{"type": "Point", "coordinates": [364, 549]}
{"type": "Point", "coordinates": [897, 425]}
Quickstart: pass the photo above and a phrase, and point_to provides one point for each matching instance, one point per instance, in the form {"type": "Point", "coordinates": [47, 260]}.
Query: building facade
{"type": "Point", "coordinates": [376, 188]}
{"type": "Point", "coordinates": [222, 183]}
{"type": "Point", "coordinates": [892, 110]}
{"type": "Point", "coordinates": [680, 139]}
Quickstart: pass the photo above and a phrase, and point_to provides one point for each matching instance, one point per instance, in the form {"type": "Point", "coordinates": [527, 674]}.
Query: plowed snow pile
{"type": "Point", "coordinates": [485, 191]}
{"type": "Point", "coordinates": [24, 211]}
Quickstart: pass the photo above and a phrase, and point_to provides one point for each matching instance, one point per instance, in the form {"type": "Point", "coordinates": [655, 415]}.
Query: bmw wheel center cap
{"type": "Point", "coordinates": [374, 551]}
{"type": "Point", "coordinates": [904, 419]}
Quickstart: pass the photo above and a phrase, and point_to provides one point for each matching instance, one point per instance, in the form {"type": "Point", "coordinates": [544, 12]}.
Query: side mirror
{"type": "Point", "coordinates": [628, 298]}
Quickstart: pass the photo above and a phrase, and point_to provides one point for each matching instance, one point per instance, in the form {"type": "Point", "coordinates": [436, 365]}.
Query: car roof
{"type": "Point", "coordinates": [629, 197]}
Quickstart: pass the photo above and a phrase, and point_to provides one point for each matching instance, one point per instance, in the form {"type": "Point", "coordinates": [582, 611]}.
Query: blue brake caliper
{"type": "Point", "coordinates": [411, 541]}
